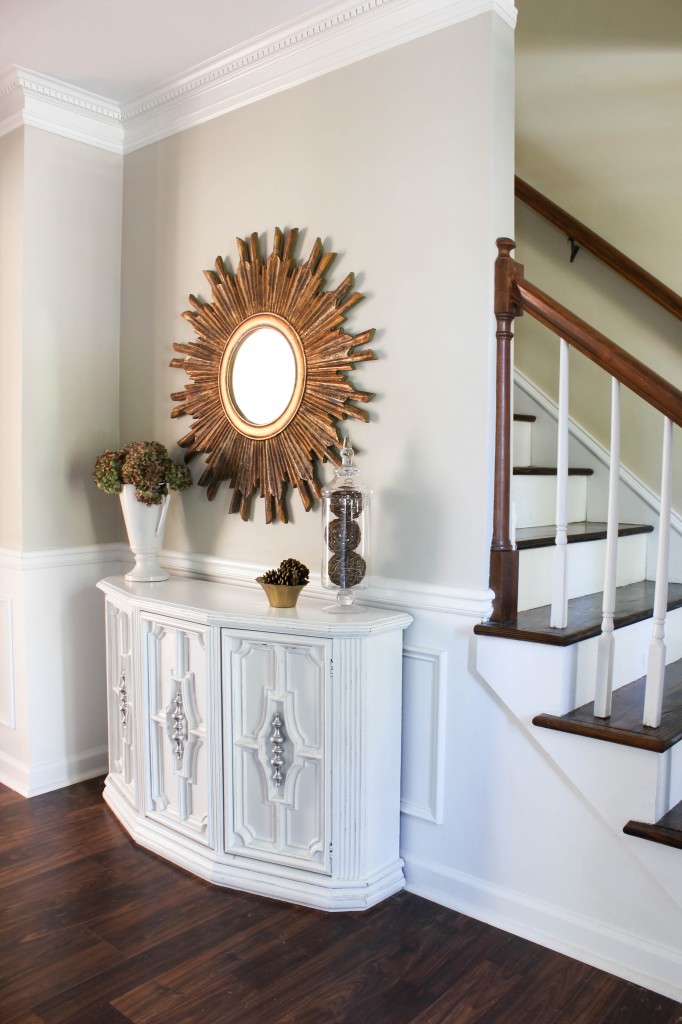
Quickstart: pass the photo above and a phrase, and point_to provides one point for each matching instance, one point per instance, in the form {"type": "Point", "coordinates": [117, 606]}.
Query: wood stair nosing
{"type": "Point", "coordinates": [634, 602]}
{"type": "Point", "coordinates": [523, 417]}
{"type": "Point", "coordinates": [667, 830]}
{"type": "Point", "coordinates": [624, 726]}
{"type": "Point", "coordinates": [586, 530]}
{"type": "Point", "coordinates": [550, 471]}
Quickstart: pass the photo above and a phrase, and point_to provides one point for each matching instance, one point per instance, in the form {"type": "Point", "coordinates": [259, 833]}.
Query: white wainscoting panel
{"type": "Point", "coordinates": [423, 754]}
{"type": "Point", "coordinates": [52, 666]}
{"type": "Point", "coordinates": [7, 696]}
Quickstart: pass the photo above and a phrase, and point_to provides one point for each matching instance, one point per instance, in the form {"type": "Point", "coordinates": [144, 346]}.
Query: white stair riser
{"type": "Point", "coordinates": [534, 499]}
{"type": "Point", "coordinates": [631, 651]}
{"type": "Point", "coordinates": [675, 794]}
{"type": "Point", "coordinates": [558, 679]}
{"type": "Point", "coordinates": [521, 443]}
{"type": "Point", "coordinates": [585, 569]}
{"type": "Point", "coordinates": [619, 782]}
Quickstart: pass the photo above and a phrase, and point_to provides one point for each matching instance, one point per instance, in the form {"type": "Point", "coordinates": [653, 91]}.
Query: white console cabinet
{"type": "Point", "coordinates": [258, 748]}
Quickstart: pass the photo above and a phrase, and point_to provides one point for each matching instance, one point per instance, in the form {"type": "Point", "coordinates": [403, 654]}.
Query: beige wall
{"type": "Point", "coordinates": [72, 244]}
{"type": "Point", "coordinates": [392, 162]}
{"type": "Point", "coordinates": [599, 98]}
{"type": "Point", "coordinates": [11, 284]}
{"type": "Point", "coordinates": [599, 101]}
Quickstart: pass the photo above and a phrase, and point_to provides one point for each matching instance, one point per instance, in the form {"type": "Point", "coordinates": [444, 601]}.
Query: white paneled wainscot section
{"type": "Point", "coordinates": [52, 705]}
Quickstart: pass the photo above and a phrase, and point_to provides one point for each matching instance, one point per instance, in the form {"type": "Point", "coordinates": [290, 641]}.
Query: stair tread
{"type": "Point", "coordinates": [524, 417]}
{"type": "Point", "coordinates": [667, 830]}
{"type": "Point", "coordinates": [634, 602]}
{"type": "Point", "coordinates": [625, 724]}
{"type": "Point", "coordinates": [544, 536]}
{"type": "Point", "coordinates": [550, 471]}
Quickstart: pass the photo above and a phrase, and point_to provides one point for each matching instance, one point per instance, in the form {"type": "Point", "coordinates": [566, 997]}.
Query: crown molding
{"type": "Point", "coordinates": [29, 98]}
{"type": "Point", "coordinates": [340, 34]}
{"type": "Point", "coordinates": [334, 36]}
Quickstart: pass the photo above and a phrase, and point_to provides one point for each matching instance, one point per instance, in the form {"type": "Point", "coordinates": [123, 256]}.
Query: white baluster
{"type": "Point", "coordinates": [559, 614]}
{"type": "Point", "coordinates": [606, 645]}
{"type": "Point", "coordinates": [653, 699]}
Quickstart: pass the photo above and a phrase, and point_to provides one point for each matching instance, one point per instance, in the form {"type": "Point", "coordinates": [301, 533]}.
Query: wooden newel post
{"type": "Point", "coordinates": [504, 558]}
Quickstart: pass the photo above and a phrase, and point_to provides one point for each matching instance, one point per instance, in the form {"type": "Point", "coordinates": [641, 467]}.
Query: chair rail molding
{"type": "Point", "coordinates": [331, 37]}
{"type": "Point", "coordinates": [61, 558]}
{"type": "Point", "coordinates": [410, 595]}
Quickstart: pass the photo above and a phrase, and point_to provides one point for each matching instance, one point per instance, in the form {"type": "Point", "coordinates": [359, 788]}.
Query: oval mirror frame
{"type": "Point", "coordinates": [230, 404]}
{"type": "Point", "coordinates": [281, 292]}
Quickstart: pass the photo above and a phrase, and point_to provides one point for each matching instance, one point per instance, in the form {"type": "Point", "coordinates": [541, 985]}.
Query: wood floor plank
{"type": "Point", "coordinates": [23, 1017]}
{"type": "Point", "coordinates": [545, 994]}
{"type": "Point", "coordinates": [215, 978]}
{"type": "Point", "coordinates": [45, 965]}
{"type": "Point", "coordinates": [307, 969]}
{"type": "Point", "coordinates": [106, 933]}
{"type": "Point", "coordinates": [601, 998]}
{"type": "Point", "coordinates": [486, 985]}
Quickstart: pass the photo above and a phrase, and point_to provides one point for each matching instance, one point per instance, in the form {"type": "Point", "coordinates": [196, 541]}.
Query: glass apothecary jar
{"type": "Point", "coordinates": [346, 536]}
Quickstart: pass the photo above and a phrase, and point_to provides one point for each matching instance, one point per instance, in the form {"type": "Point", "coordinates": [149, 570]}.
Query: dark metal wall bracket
{"type": "Point", "coordinates": [575, 248]}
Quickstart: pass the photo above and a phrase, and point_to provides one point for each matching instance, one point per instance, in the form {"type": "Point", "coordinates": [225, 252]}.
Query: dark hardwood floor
{"type": "Point", "coordinates": [94, 930]}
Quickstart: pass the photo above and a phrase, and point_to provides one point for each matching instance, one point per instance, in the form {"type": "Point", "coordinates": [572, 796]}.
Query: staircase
{"type": "Point", "coordinates": [583, 648]}
{"type": "Point", "coordinates": [564, 683]}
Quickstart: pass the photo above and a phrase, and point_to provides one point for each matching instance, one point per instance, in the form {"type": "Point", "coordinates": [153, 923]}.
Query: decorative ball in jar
{"type": "Point", "coordinates": [345, 523]}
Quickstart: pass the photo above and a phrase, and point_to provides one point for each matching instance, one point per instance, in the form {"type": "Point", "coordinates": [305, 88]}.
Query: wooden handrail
{"type": "Point", "coordinates": [600, 248]}
{"type": "Point", "coordinates": [514, 296]}
{"type": "Point", "coordinates": [636, 376]}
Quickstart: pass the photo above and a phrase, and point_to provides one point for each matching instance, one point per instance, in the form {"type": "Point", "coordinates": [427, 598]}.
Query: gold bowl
{"type": "Point", "coordinates": [281, 595]}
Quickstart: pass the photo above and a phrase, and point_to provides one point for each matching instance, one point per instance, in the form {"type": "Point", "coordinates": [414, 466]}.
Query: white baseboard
{"type": "Point", "coordinates": [44, 778]}
{"type": "Point", "coordinates": [14, 774]}
{"type": "Point", "coordinates": [592, 942]}
{"type": "Point", "coordinates": [57, 774]}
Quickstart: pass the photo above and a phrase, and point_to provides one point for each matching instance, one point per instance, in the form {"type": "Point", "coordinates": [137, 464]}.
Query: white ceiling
{"type": "Point", "coordinates": [120, 49]}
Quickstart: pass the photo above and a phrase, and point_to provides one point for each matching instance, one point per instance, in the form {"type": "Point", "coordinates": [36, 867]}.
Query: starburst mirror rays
{"type": "Point", "coordinates": [273, 315]}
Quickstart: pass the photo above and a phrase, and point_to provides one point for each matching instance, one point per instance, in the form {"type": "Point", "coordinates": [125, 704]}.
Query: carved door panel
{"type": "Point", "coordinates": [175, 671]}
{"type": "Point", "coordinates": [121, 710]}
{"type": "Point", "coordinates": [276, 751]}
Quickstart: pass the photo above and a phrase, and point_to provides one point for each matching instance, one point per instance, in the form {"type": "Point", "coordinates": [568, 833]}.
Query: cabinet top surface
{"type": "Point", "coordinates": [229, 605]}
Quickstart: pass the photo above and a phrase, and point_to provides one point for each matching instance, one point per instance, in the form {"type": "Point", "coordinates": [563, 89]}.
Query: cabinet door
{"type": "Point", "coordinates": [277, 761]}
{"type": "Point", "coordinates": [175, 671]}
{"type": "Point", "coordinates": [120, 703]}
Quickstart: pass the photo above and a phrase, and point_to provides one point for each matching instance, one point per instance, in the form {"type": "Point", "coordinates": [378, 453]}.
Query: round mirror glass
{"type": "Point", "coordinates": [263, 376]}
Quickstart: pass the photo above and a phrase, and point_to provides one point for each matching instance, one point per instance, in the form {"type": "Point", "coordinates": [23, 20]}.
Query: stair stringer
{"type": "Point", "coordinates": [616, 782]}
{"type": "Point", "coordinates": [638, 503]}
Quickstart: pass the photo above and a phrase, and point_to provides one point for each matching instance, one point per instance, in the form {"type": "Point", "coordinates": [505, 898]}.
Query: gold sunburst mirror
{"type": "Point", "coordinates": [268, 374]}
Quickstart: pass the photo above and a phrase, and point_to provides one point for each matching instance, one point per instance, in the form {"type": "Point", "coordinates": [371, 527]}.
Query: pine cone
{"type": "Point", "coordinates": [291, 573]}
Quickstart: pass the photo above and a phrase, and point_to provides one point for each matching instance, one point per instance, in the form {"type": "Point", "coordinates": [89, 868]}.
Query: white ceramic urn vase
{"type": "Point", "coordinates": [145, 525]}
